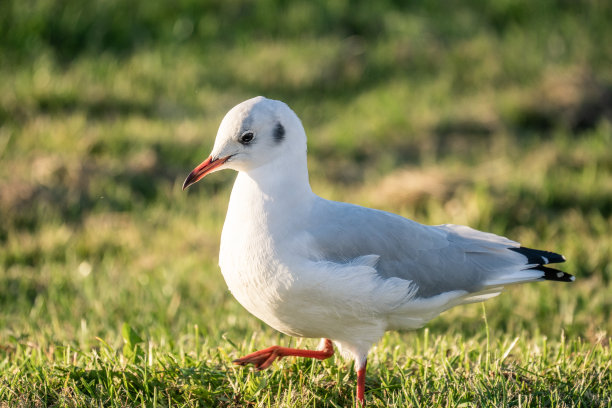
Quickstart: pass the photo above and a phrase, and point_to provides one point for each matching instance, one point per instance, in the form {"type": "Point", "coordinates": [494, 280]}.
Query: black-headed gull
{"type": "Point", "coordinates": [310, 267]}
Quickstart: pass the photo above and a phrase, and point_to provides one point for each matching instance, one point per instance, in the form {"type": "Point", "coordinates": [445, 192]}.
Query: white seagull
{"type": "Point", "coordinates": [310, 267]}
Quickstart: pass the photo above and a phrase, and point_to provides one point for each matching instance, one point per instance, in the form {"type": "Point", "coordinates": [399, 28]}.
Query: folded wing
{"type": "Point", "coordinates": [437, 259]}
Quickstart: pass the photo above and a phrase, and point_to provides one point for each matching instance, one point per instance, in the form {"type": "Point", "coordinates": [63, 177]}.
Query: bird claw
{"type": "Point", "coordinates": [261, 359]}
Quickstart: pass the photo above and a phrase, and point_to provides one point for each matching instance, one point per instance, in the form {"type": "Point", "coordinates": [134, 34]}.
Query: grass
{"type": "Point", "coordinates": [496, 115]}
{"type": "Point", "coordinates": [447, 370]}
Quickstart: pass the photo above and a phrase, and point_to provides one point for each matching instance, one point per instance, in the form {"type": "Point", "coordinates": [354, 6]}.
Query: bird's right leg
{"type": "Point", "coordinates": [262, 359]}
{"type": "Point", "coordinates": [361, 374]}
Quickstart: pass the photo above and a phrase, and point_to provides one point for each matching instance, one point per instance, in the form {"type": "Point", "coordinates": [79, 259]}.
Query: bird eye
{"type": "Point", "coordinates": [246, 137]}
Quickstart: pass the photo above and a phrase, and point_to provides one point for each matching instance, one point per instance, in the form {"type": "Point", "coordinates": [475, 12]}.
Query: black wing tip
{"type": "Point", "coordinates": [552, 274]}
{"type": "Point", "coordinates": [539, 257]}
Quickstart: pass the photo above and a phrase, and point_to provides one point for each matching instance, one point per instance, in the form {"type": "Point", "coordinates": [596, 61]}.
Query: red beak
{"type": "Point", "coordinates": [203, 169]}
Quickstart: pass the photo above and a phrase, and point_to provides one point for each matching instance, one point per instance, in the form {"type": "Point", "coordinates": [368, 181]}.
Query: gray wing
{"type": "Point", "coordinates": [437, 259]}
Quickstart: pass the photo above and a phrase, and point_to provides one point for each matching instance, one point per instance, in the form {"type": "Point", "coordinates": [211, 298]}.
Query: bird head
{"type": "Point", "coordinates": [252, 134]}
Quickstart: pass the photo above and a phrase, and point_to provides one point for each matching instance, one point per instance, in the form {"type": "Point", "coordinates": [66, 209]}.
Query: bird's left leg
{"type": "Point", "coordinates": [262, 359]}
{"type": "Point", "coordinates": [361, 374]}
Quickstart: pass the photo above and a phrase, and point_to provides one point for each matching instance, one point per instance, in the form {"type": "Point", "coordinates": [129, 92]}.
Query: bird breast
{"type": "Point", "coordinates": [254, 271]}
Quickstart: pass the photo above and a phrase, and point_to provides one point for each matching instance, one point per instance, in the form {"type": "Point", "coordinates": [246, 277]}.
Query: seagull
{"type": "Point", "coordinates": [315, 268]}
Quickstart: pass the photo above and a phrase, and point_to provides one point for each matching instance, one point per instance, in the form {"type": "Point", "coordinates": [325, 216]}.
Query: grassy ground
{"type": "Point", "coordinates": [497, 115]}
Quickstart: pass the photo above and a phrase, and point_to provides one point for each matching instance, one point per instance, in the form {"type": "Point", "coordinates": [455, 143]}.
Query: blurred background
{"type": "Point", "coordinates": [495, 114]}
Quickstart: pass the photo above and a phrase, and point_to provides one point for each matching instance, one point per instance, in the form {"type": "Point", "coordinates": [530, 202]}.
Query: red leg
{"type": "Point", "coordinates": [361, 372]}
{"type": "Point", "coordinates": [262, 359]}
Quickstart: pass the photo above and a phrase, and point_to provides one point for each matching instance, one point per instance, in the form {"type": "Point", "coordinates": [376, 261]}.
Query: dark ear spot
{"type": "Point", "coordinates": [279, 133]}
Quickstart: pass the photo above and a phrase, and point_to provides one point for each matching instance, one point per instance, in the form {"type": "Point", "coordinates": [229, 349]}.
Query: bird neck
{"type": "Point", "coordinates": [275, 189]}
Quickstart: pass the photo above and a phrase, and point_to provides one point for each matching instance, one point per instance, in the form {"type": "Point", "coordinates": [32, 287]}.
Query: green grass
{"type": "Point", "coordinates": [417, 370]}
{"type": "Point", "coordinates": [495, 115]}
